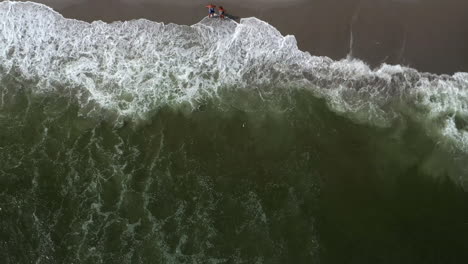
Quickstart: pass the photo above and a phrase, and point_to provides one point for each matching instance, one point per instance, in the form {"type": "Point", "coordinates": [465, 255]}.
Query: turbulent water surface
{"type": "Point", "coordinates": [221, 142]}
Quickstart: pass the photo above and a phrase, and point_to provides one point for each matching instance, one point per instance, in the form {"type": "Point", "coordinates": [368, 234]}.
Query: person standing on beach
{"type": "Point", "coordinates": [211, 10]}
{"type": "Point", "coordinates": [221, 11]}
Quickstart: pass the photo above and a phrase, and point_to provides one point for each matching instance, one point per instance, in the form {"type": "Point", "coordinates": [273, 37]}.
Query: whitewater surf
{"type": "Point", "coordinates": [220, 142]}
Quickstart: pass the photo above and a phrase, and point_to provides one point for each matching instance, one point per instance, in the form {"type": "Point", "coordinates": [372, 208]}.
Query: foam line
{"type": "Point", "coordinates": [134, 67]}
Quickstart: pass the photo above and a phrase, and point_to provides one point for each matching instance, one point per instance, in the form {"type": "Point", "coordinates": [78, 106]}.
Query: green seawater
{"type": "Point", "coordinates": [235, 179]}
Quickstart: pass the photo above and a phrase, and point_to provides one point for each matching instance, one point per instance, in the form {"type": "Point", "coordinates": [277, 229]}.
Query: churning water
{"type": "Point", "coordinates": [221, 142]}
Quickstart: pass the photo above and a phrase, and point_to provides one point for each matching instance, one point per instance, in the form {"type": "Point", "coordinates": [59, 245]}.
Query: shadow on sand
{"type": "Point", "coordinates": [232, 17]}
{"type": "Point", "coordinates": [235, 18]}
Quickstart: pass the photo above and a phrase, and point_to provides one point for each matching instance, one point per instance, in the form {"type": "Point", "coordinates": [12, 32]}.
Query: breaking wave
{"type": "Point", "coordinates": [139, 141]}
{"type": "Point", "coordinates": [135, 67]}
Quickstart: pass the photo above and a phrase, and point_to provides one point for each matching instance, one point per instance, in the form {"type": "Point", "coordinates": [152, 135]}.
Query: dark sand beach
{"type": "Point", "coordinates": [429, 35]}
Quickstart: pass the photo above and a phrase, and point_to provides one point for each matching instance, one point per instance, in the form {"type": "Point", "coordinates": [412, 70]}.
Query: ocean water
{"type": "Point", "coordinates": [220, 142]}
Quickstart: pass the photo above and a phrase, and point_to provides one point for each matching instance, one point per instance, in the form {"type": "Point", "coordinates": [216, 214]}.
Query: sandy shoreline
{"type": "Point", "coordinates": [430, 36]}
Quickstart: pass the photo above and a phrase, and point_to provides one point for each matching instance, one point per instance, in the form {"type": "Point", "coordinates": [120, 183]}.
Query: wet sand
{"type": "Point", "coordinates": [430, 35]}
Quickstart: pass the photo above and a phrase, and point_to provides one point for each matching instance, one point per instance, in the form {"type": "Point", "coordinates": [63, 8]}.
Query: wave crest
{"type": "Point", "coordinates": [135, 66]}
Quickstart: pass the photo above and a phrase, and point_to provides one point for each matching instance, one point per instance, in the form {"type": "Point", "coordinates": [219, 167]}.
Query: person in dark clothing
{"type": "Point", "coordinates": [222, 12]}
{"type": "Point", "coordinates": [211, 10]}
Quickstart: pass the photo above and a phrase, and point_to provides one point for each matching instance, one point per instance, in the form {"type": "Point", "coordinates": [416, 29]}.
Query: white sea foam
{"type": "Point", "coordinates": [133, 67]}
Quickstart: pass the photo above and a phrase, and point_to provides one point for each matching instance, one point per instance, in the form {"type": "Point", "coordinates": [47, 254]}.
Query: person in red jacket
{"type": "Point", "coordinates": [222, 12]}
{"type": "Point", "coordinates": [211, 10]}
